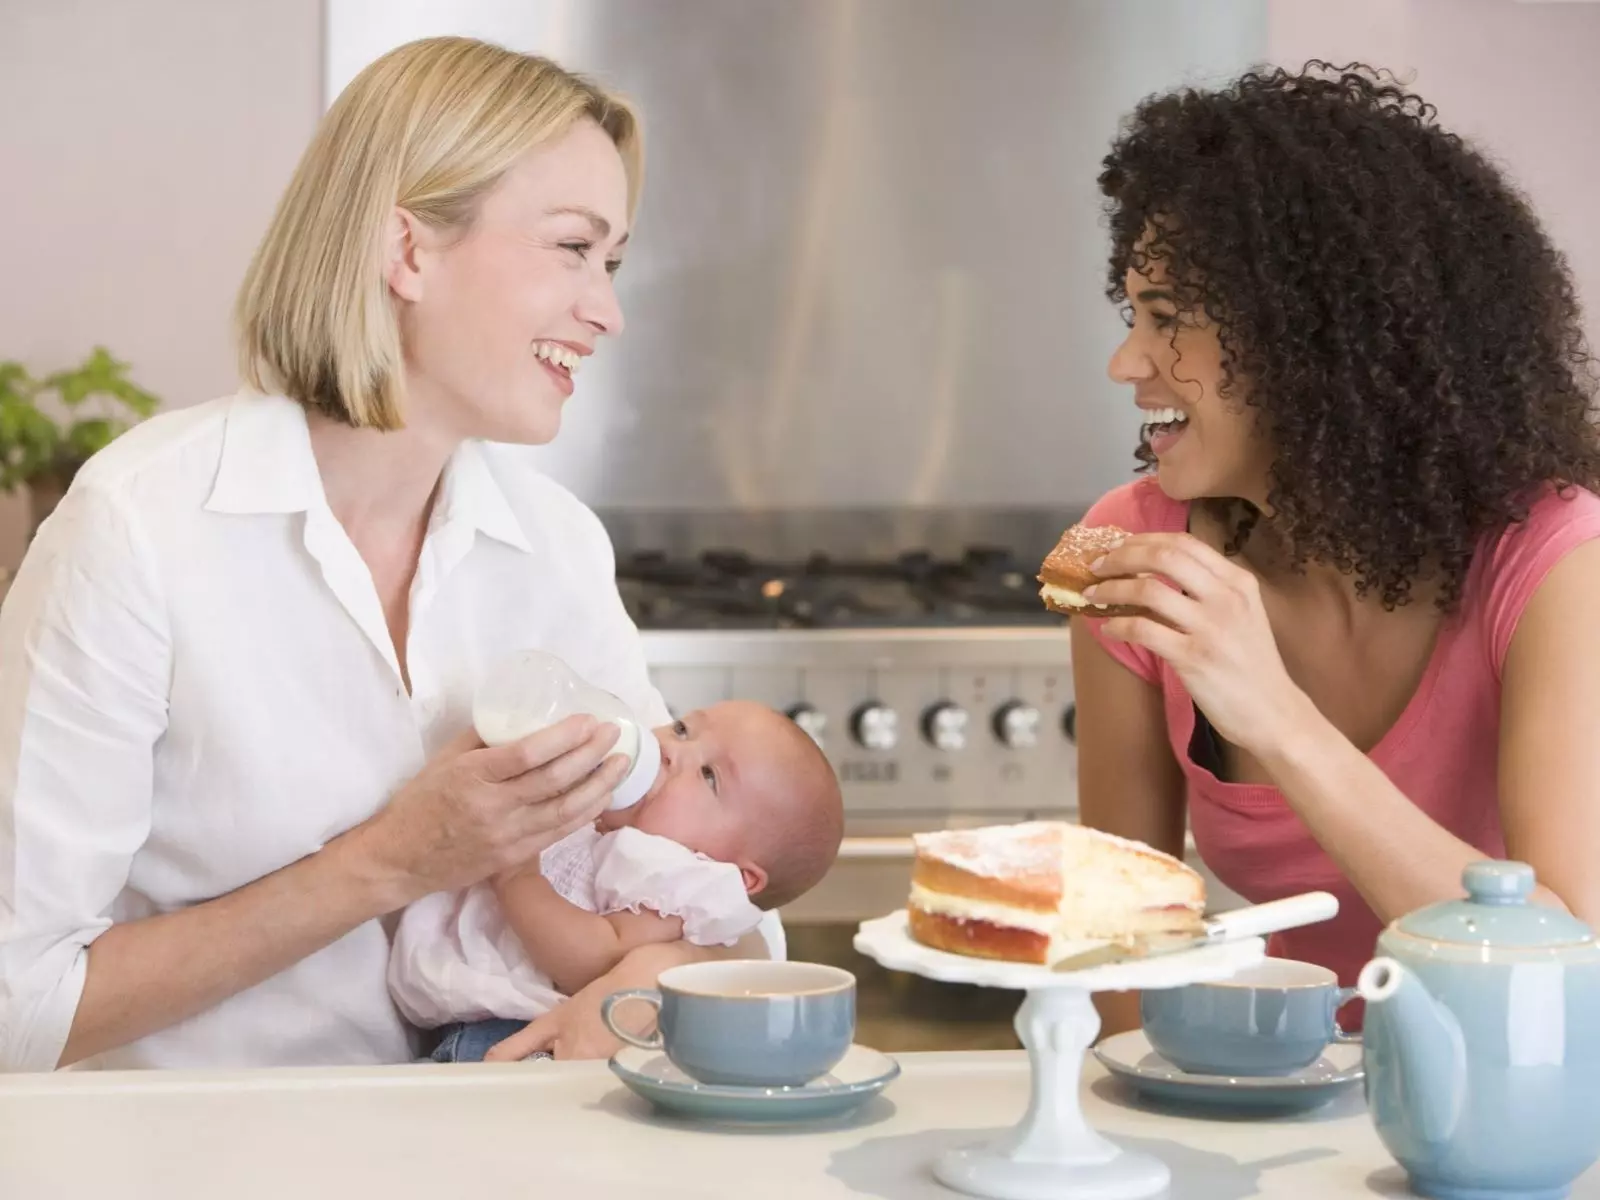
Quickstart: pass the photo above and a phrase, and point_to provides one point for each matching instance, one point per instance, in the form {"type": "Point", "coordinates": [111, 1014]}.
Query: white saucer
{"type": "Point", "coordinates": [861, 1074]}
{"type": "Point", "coordinates": [1130, 1057]}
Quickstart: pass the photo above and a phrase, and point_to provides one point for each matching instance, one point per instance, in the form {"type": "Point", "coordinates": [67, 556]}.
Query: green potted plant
{"type": "Point", "coordinates": [42, 445]}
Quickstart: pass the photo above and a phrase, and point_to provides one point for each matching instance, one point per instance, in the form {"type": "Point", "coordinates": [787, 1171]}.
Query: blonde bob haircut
{"type": "Point", "coordinates": [430, 127]}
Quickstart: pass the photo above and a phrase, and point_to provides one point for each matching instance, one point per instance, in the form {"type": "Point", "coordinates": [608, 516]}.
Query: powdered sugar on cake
{"type": "Point", "coordinates": [1079, 547]}
{"type": "Point", "coordinates": [997, 851]}
{"type": "Point", "coordinates": [1009, 851]}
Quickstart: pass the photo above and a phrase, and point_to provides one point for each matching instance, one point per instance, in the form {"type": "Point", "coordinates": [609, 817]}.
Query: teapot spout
{"type": "Point", "coordinates": [1425, 1043]}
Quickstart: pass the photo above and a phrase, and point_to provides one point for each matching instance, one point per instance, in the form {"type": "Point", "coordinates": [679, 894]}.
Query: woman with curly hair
{"type": "Point", "coordinates": [1368, 539]}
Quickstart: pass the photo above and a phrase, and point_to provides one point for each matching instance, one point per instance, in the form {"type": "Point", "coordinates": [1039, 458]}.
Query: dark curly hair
{"type": "Point", "coordinates": [1410, 337]}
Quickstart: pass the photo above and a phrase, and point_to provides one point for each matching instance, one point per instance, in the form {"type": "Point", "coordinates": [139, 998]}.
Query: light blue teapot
{"type": "Point", "coordinates": [1482, 1042]}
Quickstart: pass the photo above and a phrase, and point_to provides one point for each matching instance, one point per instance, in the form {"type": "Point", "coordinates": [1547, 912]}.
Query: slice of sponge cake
{"type": "Point", "coordinates": [1036, 891]}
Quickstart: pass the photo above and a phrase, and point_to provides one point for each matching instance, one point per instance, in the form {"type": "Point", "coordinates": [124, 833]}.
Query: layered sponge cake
{"type": "Point", "coordinates": [1035, 892]}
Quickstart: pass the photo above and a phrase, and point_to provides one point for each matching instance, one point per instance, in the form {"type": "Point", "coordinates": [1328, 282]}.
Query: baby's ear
{"type": "Point", "coordinates": [755, 879]}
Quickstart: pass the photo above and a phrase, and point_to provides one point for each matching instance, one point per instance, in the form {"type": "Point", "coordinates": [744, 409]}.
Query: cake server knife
{"type": "Point", "coordinates": [1308, 908]}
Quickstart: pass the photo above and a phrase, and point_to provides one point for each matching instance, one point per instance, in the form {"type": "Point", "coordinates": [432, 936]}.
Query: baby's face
{"type": "Point", "coordinates": [721, 767]}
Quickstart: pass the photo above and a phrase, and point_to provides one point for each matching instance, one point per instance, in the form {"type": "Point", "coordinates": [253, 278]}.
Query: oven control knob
{"type": "Point", "coordinates": [1069, 722]}
{"type": "Point", "coordinates": [945, 726]}
{"type": "Point", "coordinates": [876, 726]}
{"type": "Point", "coordinates": [813, 721]}
{"type": "Point", "coordinates": [1016, 724]}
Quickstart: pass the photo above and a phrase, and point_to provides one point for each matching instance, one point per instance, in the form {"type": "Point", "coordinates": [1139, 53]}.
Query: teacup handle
{"type": "Point", "coordinates": [1342, 997]}
{"type": "Point", "coordinates": [646, 995]}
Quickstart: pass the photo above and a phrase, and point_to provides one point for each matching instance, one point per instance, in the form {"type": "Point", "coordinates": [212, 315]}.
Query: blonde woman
{"type": "Point", "coordinates": [237, 661]}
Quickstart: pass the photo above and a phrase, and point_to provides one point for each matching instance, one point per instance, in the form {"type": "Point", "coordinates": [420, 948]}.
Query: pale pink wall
{"type": "Point", "coordinates": [1516, 78]}
{"type": "Point", "coordinates": [143, 146]}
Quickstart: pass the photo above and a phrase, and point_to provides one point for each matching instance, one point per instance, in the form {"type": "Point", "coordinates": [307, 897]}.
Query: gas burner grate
{"type": "Point", "coordinates": [729, 589]}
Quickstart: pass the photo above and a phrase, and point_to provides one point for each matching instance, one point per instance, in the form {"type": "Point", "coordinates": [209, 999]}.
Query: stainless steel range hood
{"type": "Point", "coordinates": [868, 270]}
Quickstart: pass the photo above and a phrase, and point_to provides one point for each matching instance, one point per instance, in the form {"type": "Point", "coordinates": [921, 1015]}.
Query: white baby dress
{"type": "Point", "coordinates": [456, 959]}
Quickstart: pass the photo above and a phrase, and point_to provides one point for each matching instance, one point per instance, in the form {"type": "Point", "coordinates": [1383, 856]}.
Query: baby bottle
{"type": "Point", "coordinates": [531, 690]}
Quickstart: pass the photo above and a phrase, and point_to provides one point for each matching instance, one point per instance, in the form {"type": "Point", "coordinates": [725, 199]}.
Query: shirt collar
{"type": "Point", "coordinates": [267, 466]}
{"type": "Point", "coordinates": [470, 494]}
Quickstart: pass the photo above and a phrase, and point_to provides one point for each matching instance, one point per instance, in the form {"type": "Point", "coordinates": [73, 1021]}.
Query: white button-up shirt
{"type": "Point", "coordinates": [198, 687]}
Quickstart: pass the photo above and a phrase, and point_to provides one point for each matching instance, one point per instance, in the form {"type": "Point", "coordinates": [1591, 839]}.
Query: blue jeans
{"type": "Point", "coordinates": [470, 1042]}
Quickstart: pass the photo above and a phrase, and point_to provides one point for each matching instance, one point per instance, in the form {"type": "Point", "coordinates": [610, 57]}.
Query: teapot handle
{"type": "Point", "coordinates": [1340, 998]}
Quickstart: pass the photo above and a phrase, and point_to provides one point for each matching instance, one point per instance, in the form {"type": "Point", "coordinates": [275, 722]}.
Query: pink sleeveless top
{"type": "Point", "coordinates": [1443, 751]}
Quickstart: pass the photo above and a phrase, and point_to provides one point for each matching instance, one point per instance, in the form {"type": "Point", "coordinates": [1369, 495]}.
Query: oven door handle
{"type": "Point", "coordinates": [900, 848]}
{"type": "Point", "coordinates": [864, 848]}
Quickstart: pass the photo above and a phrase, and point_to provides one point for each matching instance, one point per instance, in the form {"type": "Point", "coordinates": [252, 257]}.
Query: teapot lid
{"type": "Point", "coordinates": [1496, 912]}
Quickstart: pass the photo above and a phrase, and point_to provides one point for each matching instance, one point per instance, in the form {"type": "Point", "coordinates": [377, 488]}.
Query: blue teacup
{"type": "Point", "coordinates": [1271, 1019]}
{"type": "Point", "coordinates": [749, 1023]}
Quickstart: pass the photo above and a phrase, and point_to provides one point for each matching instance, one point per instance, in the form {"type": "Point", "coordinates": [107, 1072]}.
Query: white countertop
{"type": "Point", "coordinates": [570, 1130]}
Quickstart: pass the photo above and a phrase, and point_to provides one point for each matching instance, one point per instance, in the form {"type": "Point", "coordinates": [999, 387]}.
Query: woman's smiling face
{"type": "Point", "coordinates": [497, 318]}
{"type": "Point", "coordinates": [1205, 444]}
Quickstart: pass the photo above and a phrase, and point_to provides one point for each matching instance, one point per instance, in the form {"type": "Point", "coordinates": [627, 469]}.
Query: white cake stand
{"type": "Point", "coordinates": [1053, 1154]}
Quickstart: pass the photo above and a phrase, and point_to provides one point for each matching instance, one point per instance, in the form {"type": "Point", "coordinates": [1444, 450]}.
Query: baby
{"type": "Point", "coordinates": [746, 815]}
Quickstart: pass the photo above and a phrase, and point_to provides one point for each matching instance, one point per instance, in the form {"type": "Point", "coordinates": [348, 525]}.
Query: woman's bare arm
{"type": "Point", "coordinates": [469, 812]}
{"type": "Point", "coordinates": [144, 976]}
